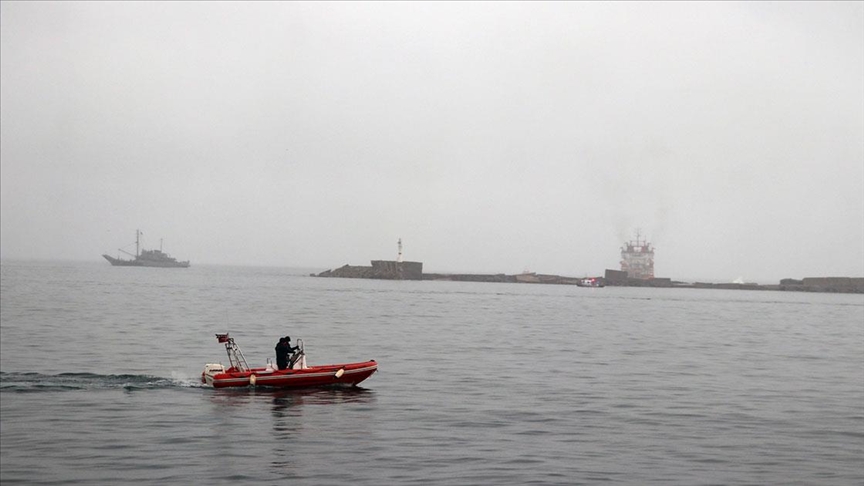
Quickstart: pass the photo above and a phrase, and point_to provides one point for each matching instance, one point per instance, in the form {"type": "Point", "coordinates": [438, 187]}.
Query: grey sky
{"type": "Point", "coordinates": [490, 137]}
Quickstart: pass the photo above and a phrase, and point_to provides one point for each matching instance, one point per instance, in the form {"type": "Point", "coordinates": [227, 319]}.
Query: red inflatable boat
{"type": "Point", "coordinates": [298, 374]}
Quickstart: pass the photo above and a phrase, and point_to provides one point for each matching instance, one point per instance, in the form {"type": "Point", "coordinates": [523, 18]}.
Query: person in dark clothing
{"type": "Point", "coordinates": [283, 352]}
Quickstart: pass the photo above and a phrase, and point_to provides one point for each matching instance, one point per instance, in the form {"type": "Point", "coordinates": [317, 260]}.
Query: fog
{"type": "Point", "coordinates": [489, 137]}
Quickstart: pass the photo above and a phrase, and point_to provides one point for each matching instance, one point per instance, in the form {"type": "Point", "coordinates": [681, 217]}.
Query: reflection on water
{"type": "Point", "coordinates": [323, 396]}
{"type": "Point", "coordinates": [290, 402]}
{"type": "Point", "coordinates": [284, 400]}
{"type": "Point", "coordinates": [296, 417]}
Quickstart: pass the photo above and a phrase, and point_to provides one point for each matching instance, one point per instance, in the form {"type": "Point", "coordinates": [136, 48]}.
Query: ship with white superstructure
{"type": "Point", "coordinates": [637, 258]}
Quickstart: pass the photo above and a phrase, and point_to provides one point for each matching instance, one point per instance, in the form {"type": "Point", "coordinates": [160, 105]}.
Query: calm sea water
{"type": "Point", "coordinates": [484, 384]}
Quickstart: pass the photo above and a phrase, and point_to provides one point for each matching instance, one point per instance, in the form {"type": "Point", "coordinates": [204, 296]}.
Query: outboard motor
{"type": "Point", "coordinates": [211, 370]}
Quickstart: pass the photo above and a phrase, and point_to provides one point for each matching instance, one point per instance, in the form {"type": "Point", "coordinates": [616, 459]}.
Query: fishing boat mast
{"type": "Point", "coordinates": [235, 356]}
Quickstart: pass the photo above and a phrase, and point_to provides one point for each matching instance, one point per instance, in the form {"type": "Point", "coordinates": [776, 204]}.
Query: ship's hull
{"type": "Point", "coordinates": [313, 376]}
{"type": "Point", "coordinates": [145, 263]}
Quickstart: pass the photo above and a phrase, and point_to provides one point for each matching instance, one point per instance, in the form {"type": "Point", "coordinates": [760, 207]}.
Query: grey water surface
{"type": "Point", "coordinates": [484, 384]}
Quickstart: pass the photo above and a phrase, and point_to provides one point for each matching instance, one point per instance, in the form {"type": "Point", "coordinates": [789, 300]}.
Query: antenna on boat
{"type": "Point", "coordinates": [137, 241]}
{"type": "Point", "coordinates": [235, 356]}
{"type": "Point", "coordinates": [399, 255]}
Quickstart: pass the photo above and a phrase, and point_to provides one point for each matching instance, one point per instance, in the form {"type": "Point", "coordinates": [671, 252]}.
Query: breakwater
{"type": "Point", "coordinates": [840, 285]}
{"type": "Point", "coordinates": [393, 270]}
{"type": "Point", "coordinates": [379, 269]}
{"type": "Point", "coordinates": [817, 284]}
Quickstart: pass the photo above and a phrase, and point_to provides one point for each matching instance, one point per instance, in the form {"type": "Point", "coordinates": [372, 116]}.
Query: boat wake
{"type": "Point", "coordinates": [37, 382]}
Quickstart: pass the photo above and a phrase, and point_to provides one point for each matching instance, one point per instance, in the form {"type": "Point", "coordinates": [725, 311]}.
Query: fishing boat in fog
{"type": "Point", "coordinates": [146, 258]}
